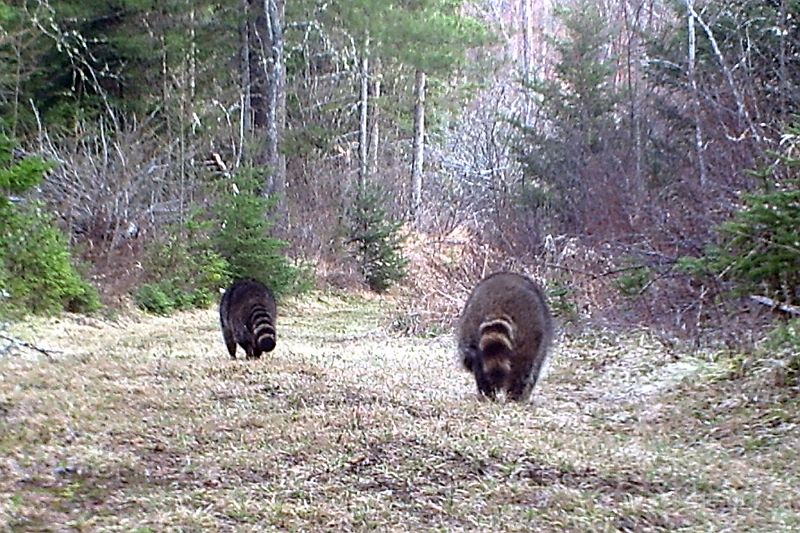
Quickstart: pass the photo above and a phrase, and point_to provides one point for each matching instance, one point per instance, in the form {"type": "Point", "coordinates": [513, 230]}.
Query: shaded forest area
{"type": "Point", "coordinates": [640, 157]}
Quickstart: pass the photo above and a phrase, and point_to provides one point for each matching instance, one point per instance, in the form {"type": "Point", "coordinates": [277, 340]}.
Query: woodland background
{"type": "Point", "coordinates": [638, 157]}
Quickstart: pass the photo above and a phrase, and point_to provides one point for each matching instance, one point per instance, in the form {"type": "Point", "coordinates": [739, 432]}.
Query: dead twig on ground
{"type": "Point", "coordinates": [15, 342]}
{"type": "Point", "coordinates": [776, 305]}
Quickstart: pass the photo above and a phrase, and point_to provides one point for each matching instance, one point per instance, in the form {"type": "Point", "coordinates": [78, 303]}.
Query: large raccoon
{"type": "Point", "coordinates": [504, 334]}
{"type": "Point", "coordinates": [247, 314]}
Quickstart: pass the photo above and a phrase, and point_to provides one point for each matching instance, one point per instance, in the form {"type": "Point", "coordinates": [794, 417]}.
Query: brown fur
{"type": "Point", "coordinates": [504, 334]}
{"type": "Point", "coordinates": [248, 315]}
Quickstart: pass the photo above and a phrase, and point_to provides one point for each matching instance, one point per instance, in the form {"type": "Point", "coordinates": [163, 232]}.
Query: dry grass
{"type": "Point", "coordinates": [146, 425]}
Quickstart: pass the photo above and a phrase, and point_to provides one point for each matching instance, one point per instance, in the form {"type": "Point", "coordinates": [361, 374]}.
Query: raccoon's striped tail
{"type": "Point", "coordinates": [263, 328]}
{"type": "Point", "coordinates": [496, 345]}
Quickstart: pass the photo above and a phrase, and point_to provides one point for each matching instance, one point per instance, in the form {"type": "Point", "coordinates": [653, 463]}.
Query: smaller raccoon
{"type": "Point", "coordinates": [503, 335]}
{"type": "Point", "coordinates": [247, 313]}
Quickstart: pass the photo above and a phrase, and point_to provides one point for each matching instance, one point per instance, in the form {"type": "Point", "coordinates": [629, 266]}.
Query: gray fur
{"type": "Point", "coordinates": [504, 335]}
{"type": "Point", "coordinates": [248, 315]}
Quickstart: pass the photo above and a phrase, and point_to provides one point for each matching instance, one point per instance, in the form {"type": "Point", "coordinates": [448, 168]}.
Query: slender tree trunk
{"type": "Point", "coordinates": [419, 143]}
{"type": "Point", "coordinates": [374, 132]}
{"type": "Point", "coordinates": [741, 107]}
{"type": "Point", "coordinates": [698, 127]}
{"type": "Point", "coordinates": [165, 82]}
{"type": "Point", "coordinates": [192, 51]}
{"type": "Point", "coordinates": [182, 133]}
{"type": "Point", "coordinates": [785, 80]}
{"type": "Point", "coordinates": [194, 124]}
{"type": "Point", "coordinates": [257, 34]}
{"type": "Point", "coordinates": [246, 112]}
{"type": "Point", "coordinates": [363, 119]}
{"type": "Point", "coordinates": [527, 40]}
{"type": "Point", "coordinates": [17, 84]}
{"type": "Point", "coordinates": [633, 57]}
{"type": "Point", "coordinates": [268, 96]}
{"type": "Point", "coordinates": [527, 55]}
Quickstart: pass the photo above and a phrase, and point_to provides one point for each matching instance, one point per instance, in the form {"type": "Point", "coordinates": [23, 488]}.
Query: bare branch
{"type": "Point", "coordinates": [774, 304]}
{"type": "Point", "coordinates": [17, 343]}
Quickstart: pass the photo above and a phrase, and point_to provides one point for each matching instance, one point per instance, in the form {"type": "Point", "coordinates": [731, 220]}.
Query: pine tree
{"type": "Point", "coordinates": [244, 237]}
{"type": "Point", "coordinates": [376, 240]}
{"type": "Point", "coordinates": [758, 249]}
{"type": "Point", "coordinates": [578, 107]}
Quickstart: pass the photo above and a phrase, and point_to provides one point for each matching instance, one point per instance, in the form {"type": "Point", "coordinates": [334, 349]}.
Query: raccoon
{"type": "Point", "coordinates": [504, 334]}
{"type": "Point", "coordinates": [247, 313]}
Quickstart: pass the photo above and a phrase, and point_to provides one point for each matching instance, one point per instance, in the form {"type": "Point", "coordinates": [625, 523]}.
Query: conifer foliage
{"type": "Point", "coordinates": [36, 270]}
{"type": "Point", "coordinates": [376, 240]}
{"type": "Point", "coordinates": [245, 241]}
{"type": "Point", "coordinates": [759, 247]}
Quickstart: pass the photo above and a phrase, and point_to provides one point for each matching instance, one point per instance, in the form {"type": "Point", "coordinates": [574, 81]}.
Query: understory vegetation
{"type": "Point", "coordinates": [37, 271]}
{"type": "Point", "coordinates": [203, 254]}
{"type": "Point", "coordinates": [162, 154]}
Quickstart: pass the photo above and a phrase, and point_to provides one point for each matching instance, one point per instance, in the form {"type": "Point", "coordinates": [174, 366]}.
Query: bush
{"type": "Point", "coordinates": [152, 297]}
{"type": "Point", "coordinates": [561, 296]}
{"type": "Point", "coordinates": [196, 259]}
{"type": "Point", "coordinates": [36, 270]}
{"type": "Point", "coordinates": [376, 240]}
{"type": "Point", "coordinates": [783, 343]}
{"type": "Point", "coordinates": [633, 281]}
{"type": "Point", "coordinates": [244, 239]}
{"type": "Point", "coordinates": [758, 248]}
{"type": "Point", "coordinates": [185, 270]}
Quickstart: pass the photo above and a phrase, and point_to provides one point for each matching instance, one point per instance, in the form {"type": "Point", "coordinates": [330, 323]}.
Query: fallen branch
{"type": "Point", "coordinates": [774, 304]}
{"type": "Point", "coordinates": [571, 269]}
{"type": "Point", "coordinates": [592, 274]}
{"type": "Point", "coordinates": [25, 344]}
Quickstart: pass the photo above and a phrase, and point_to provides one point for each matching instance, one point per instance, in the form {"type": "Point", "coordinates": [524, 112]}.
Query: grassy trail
{"type": "Point", "coordinates": [149, 426]}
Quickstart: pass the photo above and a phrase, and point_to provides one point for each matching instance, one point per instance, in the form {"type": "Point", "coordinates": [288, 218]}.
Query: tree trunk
{"type": "Point", "coordinates": [362, 128]}
{"type": "Point", "coordinates": [419, 143]}
{"type": "Point", "coordinates": [374, 132]}
{"type": "Point", "coordinates": [633, 55]}
{"type": "Point", "coordinates": [527, 40]}
{"type": "Point", "coordinates": [192, 53]}
{"type": "Point", "coordinates": [784, 79]}
{"type": "Point", "coordinates": [246, 112]}
{"type": "Point", "coordinates": [744, 114]}
{"type": "Point", "coordinates": [276, 100]}
{"type": "Point", "coordinates": [698, 127]}
{"type": "Point", "coordinates": [259, 58]}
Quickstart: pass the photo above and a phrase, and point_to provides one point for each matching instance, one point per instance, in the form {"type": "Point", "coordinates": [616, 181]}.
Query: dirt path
{"type": "Point", "coordinates": [148, 426]}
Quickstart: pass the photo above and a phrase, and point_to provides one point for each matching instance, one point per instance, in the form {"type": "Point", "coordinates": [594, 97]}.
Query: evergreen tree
{"type": "Point", "coordinates": [244, 238]}
{"type": "Point", "coordinates": [182, 269]}
{"type": "Point", "coordinates": [36, 270]}
{"type": "Point", "coordinates": [376, 240]}
{"type": "Point", "coordinates": [577, 109]}
{"type": "Point", "coordinates": [759, 247]}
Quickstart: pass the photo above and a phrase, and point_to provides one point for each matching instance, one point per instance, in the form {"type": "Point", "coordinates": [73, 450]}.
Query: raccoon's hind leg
{"type": "Point", "coordinates": [469, 356]}
{"type": "Point", "coordinates": [250, 352]}
{"type": "Point", "coordinates": [485, 386]}
{"type": "Point", "coordinates": [520, 390]}
{"type": "Point", "coordinates": [230, 342]}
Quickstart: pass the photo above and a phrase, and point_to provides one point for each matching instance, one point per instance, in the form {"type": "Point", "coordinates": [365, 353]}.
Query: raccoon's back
{"type": "Point", "coordinates": [241, 299]}
{"type": "Point", "coordinates": [505, 294]}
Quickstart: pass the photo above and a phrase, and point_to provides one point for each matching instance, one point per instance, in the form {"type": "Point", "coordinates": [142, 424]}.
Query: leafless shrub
{"type": "Point", "coordinates": [110, 185]}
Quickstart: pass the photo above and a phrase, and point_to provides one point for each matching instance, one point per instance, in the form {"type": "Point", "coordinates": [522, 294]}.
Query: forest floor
{"type": "Point", "coordinates": [146, 424]}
